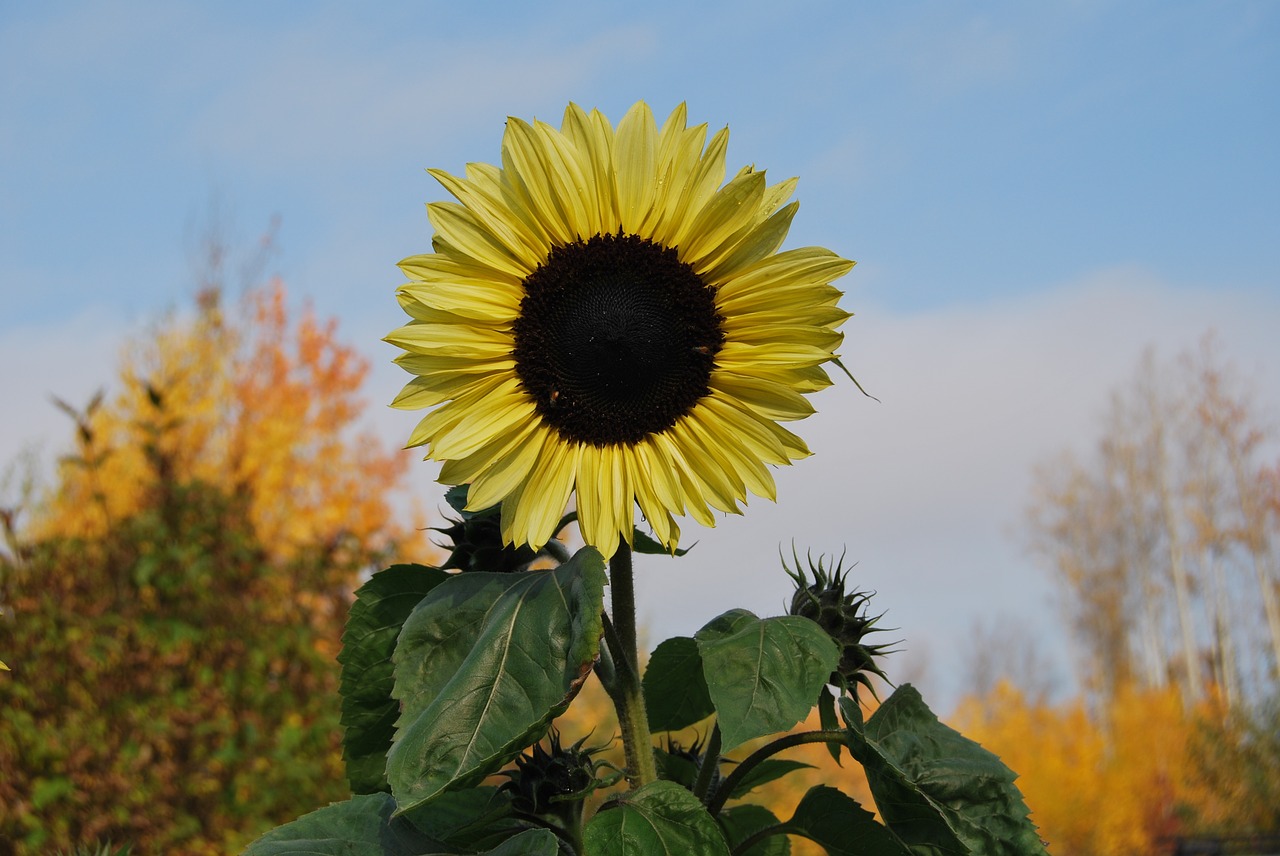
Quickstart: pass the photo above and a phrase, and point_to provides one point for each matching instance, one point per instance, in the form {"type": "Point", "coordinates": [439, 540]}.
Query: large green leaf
{"type": "Point", "coordinates": [473, 819]}
{"type": "Point", "coordinates": [675, 693]}
{"type": "Point", "coordinates": [841, 826]}
{"type": "Point", "coordinates": [659, 819]}
{"type": "Point", "coordinates": [763, 674]}
{"type": "Point", "coordinates": [939, 791]}
{"type": "Point", "coordinates": [741, 821]}
{"type": "Point", "coordinates": [532, 842]}
{"type": "Point", "coordinates": [360, 826]}
{"type": "Point", "coordinates": [483, 664]}
{"type": "Point", "coordinates": [368, 710]}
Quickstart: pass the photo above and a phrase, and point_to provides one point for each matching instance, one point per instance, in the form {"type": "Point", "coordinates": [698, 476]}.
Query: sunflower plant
{"type": "Point", "coordinates": [607, 326]}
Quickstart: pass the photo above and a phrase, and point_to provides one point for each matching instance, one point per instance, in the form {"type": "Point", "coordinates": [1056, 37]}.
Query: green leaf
{"type": "Point", "coordinates": [938, 790]}
{"type": "Point", "coordinates": [741, 821]}
{"type": "Point", "coordinates": [659, 818]}
{"type": "Point", "coordinates": [675, 693]}
{"type": "Point", "coordinates": [763, 674]}
{"type": "Point", "coordinates": [360, 826]}
{"type": "Point", "coordinates": [532, 842]}
{"type": "Point", "coordinates": [827, 719]}
{"type": "Point", "coordinates": [728, 623]}
{"type": "Point", "coordinates": [368, 710]}
{"type": "Point", "coordinates": [643, 543]}
{"type": "Point", "coordinates": [483, 664]}
{"type": "Point", "coordinates": [764, 772]}
{"type": "Point", "coordinates": [841, 826]}
{"type": "Point", "coordinates": [471, 819]}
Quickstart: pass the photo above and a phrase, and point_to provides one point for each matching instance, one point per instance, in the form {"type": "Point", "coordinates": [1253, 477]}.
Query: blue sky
{"type": "Point", "coordinates": [1034, 192]}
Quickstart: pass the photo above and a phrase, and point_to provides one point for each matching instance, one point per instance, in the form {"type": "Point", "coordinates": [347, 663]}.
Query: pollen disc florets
{"type": "Point", "coordinates": [615, 339]}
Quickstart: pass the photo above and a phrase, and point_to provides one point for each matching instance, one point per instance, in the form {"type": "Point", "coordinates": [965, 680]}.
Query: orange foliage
{"type": "Point", "coordinates": [1120, 782]}
{"type": "Point", "coordinates": [177, 601]}
{"type": "Point", "coordinates": [265, 410]}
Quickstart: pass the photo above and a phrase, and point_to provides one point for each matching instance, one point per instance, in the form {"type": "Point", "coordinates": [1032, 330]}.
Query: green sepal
{"type": "Point", "coordinates": [741, 821]}
{"type": "Point", "coordinates": [764, 772]}
{"type": "Point", "coordinates": [361, 826]}
{"type": "Point", "coordinates": [673, 768]}
{"type": "Point", "coordinates": [660, 817]}
{"type": "Point", "coordinates": [763, 674]}
{"type": "Point", "coordinates": [482, 666]}
{"type": "Point", "coordinates": [675, 693]}
{"type": "Point", "coordinates": [827, 719]}
{"type": "Point", "coordinates": [647, 544]}
{"type": "Point", "coordinates": [840, 826]}
{"type": "Point", "coordinates": [368, 711]}
{"type": "Point", "coordinates": [939, 791]}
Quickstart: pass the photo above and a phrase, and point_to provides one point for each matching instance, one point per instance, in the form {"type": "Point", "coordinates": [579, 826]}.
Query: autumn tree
{"type": "Point", "coordinates": [1163, 540]}
{"type": "Point", "coordinates": [175, 602]}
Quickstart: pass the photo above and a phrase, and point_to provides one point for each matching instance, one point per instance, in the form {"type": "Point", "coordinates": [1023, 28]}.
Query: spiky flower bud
{"type": "Point", "coordinates": [476, 539]}
{"type": "Point", "coordinates": [552, 781]}
{"type": "Point", "coordinates": [681, 764]}
{"type": "Point", "coordinates": [845, 618]}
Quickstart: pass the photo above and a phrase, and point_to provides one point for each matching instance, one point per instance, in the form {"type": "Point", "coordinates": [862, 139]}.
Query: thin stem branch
{"type": "Point", "coordinates": [710, 765]}
{"type": "Point", "coordinates": [740, 772]}
{"type": "Point", "coordinates": [556, 550]}
{"type": "Point", "coordinates": [745, 845]}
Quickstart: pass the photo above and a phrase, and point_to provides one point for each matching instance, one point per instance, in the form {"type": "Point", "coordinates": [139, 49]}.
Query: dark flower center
{"type": "Point", "coordinates": [616, 339]}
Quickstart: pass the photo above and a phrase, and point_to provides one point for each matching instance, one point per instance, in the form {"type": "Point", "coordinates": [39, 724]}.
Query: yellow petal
{"type": "Point", "coordinates": [506, 471]}
{"type": "Point", "coordinates": [460, 229]}
{"type": "Point", "coordinates": [728, 211]}
{"type": "Point", "coordinates": [634, 160]}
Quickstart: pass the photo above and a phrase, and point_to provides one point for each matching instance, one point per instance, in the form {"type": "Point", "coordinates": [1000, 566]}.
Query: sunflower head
{"type": "Point", "coordinates": [846, 619]}
{"type": "Point", "coordinates": [605, 316]}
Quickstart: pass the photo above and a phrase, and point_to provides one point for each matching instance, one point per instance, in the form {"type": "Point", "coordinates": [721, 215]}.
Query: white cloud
{"type": "Point", "coordinates": [923, 488]}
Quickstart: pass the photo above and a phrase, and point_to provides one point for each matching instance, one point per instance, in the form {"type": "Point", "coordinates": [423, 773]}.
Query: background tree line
{"type": "Point", "coordinates": [1163, 541]}
{"type": "Point", "coordinates": [171, 605]}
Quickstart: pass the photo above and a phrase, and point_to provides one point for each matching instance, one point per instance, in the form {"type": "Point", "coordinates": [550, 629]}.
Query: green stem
{"type": "Point", "coordinates": [710, 765]}
{"type": "Point", "coordinates": [620, 635]}
{"type": "Point", "coordinates": [556, 550]}
{"type": "Point", "coordinates": [740, 772]}
{"type": "Point", "coordinates": [759, 835]}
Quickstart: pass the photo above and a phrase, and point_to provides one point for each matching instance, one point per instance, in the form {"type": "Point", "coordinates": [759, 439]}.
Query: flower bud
{"type": "Point", "coordinates": [477, 539]}
{"type": "Point", "coordinates": [844, 617]}
{"type": "Point", "coordinates": [552, 780]}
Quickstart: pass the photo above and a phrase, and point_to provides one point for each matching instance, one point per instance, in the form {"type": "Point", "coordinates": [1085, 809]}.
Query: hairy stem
{"type": "Point", "coordinates": [628, 695]}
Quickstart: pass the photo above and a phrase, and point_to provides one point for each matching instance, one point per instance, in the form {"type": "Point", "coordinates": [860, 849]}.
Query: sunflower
{"type": "Point", "coordinates": [604, 315]}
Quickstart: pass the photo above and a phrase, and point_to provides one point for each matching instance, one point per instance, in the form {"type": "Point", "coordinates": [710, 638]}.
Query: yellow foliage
{"type": "Point", "coordinates": [264, 409]}
{"type": "Point", "coordinates": [1121, 781]}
